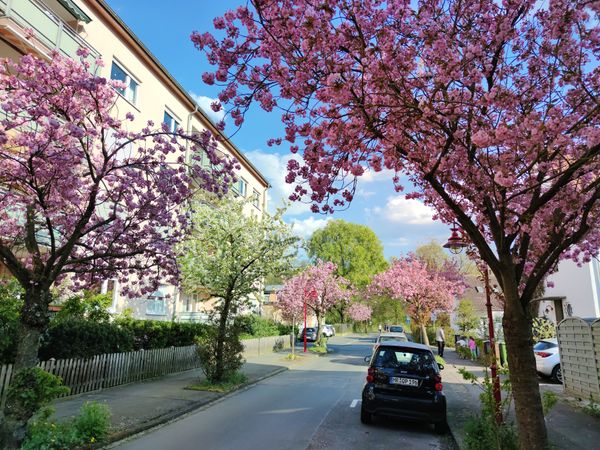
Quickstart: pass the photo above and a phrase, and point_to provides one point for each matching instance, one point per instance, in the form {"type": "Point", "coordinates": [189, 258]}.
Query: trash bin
{"type": "Point", "coordinates": [503, 356]}
{"type": "Point", "coordinates": [486, 347]}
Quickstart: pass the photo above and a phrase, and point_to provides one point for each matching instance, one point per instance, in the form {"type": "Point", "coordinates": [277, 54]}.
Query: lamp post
{"type": "Point", "coordinates": [455, 244]}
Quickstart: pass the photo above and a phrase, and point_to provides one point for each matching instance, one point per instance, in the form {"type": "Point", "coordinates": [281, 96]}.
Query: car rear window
{"type": "Point", "coordinates": [393, 338]}
{"type": "Point", "coordinates": [544, 345]}
{"type": "Point", "coordinates": [310, 330]}
{"type": "Point", "coordinates": [396, 329]}
{"type": "Point", "coordinates": [406, 359]}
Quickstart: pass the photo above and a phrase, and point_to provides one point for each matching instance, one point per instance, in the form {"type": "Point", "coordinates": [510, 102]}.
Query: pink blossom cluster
{"type": "Point", "coordinates": [489, 107]}
{"type": "Point", "coordinates": [80, 194]}
{"type": "Point", "coordinates": [318, 286]}
{"type": "Point", "coordinates": [359, 312]}
{"type": "Point", "coordinates": [422, 289]}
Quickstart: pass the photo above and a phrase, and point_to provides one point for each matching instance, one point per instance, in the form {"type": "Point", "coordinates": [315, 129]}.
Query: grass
{"type": "Point", "coordinates": [440, 360]}
{"type": "Point", "coordinates": [228, 385]}
{"type": "Point", "coordinates": [592, 408]}
{"type": "Point", "coordinates": [318, 349]}
{"type": "Point", "coordinates": [292, 356]}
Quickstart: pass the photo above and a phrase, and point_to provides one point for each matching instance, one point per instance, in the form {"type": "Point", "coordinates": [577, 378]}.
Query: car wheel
{"type": "Point", "coordinates": [365, 416]}
{"type": "Point", "coordinates": [557, 374]}
{"type": "Point", "coordinates": [440, 427]}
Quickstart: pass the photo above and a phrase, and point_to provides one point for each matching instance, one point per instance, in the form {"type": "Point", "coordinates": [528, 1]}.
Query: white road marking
{"type": "Point", "coordinates": [354, 402]}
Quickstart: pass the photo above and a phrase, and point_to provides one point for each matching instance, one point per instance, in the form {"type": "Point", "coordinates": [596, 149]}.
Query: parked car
{"type": "Point", "coordinates": [404, 381]}
{"type": "Point", "coordinates": [328, 330]}
{"type": "Point", "coordinates": [311, 334]}
{"type": "Point", "coordinates": [547, 359]}
{"type": "Point", "coordinates": [395, 329]}
{"type": "Point", "coordinates": [386, 337]}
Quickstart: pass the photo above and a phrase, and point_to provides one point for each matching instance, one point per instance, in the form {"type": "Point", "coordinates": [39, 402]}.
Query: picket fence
{"type": "Point", "coordinates": [107, 370]}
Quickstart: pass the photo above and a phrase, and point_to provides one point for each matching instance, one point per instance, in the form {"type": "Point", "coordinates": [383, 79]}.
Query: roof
{"type": "Point", "coordinates": [394, 334]}
{"type": "Point", "coordinates": [476, 293]}
{"type": "Point", "coordinates": [405, 345]}
{"type": "Point", "coordinates": [95, 4]}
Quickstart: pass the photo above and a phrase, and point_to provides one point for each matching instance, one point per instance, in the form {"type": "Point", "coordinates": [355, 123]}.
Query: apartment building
{"type": "Point", "coordinates": [151, 93]}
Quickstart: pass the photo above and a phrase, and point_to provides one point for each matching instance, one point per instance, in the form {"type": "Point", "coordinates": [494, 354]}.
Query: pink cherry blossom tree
{"type": "Point", "coordinates": [81, 196]}
{"type": "Point", "coordinates": [491, 108]}
{"type": "Point", "coordinates": [319, 288]}
{"type": "Point", "coordinates": [423, 290]}
{"type": "Point", "coordinates": [360, 313]}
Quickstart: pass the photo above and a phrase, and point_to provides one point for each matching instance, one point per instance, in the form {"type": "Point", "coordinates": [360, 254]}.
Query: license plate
{"type": "Point", "coordinates": [404, 381]}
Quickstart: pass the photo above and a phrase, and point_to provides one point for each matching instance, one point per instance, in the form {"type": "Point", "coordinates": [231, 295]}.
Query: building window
{"type": "Point", "coordinates": [171, 122]}
{"type": "Point", "coordinates": [240, 187]}
{"type": "Point", "coordinates": [156, 305]}
{"type": "Point", "coordinates": [130, 89]}
{"type": "Point", "coordinates": [256, 198]}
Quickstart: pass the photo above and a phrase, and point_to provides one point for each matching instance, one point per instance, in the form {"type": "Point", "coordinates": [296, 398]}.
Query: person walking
{"type": "Point", "coordinates": [441, 340]}
{"type": "Point", "coordinates": [473, 348]}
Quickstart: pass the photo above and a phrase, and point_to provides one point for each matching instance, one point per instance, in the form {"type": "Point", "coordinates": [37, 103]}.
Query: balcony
{"type": "Point", "coordinates": [50, 31]}
{"type": "Point", "coordinates": [192, 316]}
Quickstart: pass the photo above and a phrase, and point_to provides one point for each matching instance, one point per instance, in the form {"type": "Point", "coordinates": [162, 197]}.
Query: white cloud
{"type": "Point", "coordinates": [399, 242]}
{"type": "Point", "coordinates": [204, 103]}
{"type": "Point", "coordinates": [370, 176]}
{"type": "Point", "coordinates": [274, 167]}
{"type": "Point", "coordinates": [399, 209]}
{"type": "Point", "coordinates": [306, 227]}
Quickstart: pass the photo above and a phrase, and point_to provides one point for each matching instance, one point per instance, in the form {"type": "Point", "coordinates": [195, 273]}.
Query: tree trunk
{"type": "Point", "coordinates": [221, 336]}
{"type": "Point", "coordinates": [34, 321]}
{"type": "Point", "coordinates": [523, 375]}
{"type": "Point", "coordinates": [319, 328]}
{"type": "Point", "coordinates": [424, 337]}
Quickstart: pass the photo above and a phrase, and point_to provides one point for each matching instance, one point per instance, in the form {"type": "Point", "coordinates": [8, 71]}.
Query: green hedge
{"type": "Point", "coordinates": [253, 326]}
{"type": "Point", "coordinates": [74, 338]}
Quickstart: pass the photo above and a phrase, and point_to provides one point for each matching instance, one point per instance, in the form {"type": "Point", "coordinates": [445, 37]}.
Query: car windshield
{"type": "Point", "coordinates": [310, 330]}
{"type": "Point", "coordinates": [396, 329]}
{"type": "Point", "coordinates": [409, 360]}
{"type": "Point", "coordinates": [544, 345]}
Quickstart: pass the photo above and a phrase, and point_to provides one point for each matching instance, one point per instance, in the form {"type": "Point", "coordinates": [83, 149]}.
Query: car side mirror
{"type": "Point", "coordinates": [367, 358]}
{"type": "Point", "coordinates": [441, 366]}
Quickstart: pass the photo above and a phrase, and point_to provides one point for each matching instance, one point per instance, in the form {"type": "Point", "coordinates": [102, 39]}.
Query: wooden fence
{"type": "Point", "coordinates": [104, 371]}
{"type": "Point", "coordinates": [579, 348]}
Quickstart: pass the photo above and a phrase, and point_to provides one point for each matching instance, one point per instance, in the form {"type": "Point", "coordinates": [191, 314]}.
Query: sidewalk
{"type": "Point", "coordinates": [139, 406]}
{"type": "Point", "coordinates": [568, 427]}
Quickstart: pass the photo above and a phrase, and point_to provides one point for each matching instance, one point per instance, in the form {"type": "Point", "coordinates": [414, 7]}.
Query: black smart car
{"type": "Point", "coordinates": [404, 381]}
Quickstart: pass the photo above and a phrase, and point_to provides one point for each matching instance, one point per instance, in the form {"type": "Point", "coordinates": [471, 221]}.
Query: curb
{"type": "Point", "coordinates": [165, 419]}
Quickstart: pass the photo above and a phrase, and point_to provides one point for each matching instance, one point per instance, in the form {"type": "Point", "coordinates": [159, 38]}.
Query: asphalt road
{"type": "Point", "coordinates": [316, 406]}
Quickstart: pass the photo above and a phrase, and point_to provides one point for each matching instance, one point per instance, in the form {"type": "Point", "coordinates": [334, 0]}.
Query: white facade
{"type": "Point", "coordinates": [580, 287]}
{"type": "Point", "coordinates": [151, 94]}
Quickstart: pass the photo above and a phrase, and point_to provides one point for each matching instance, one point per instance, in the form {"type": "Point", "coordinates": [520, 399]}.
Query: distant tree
{"type": "Point", "coordinates": [423, 290]}
{"type": "Point", "coordinates": [319, 287]}
{"type": "Point", "coordinates": [226, 256]}
{"type": "Point", "coordinates": [355, 250]}
{"type": "Point", "coordinates": [466, 318]}
{"type": "Point", "coordinates": [436, 256]}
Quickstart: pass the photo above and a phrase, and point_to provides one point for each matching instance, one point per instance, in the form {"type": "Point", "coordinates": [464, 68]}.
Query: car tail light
{"type": "Point", "coordinates": [438, 383]}
{"type": "Point", "coordinates": [371, 374]}
{"type": "Point", "coordinates": [543, 354]}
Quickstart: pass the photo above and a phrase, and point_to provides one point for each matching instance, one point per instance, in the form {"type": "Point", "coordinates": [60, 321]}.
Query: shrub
{"type": "Point", "coordinates": [256, 326]}
{"type": "Point", "coordinates": [90, 426]}
{"type": "Point", "coordinates": [83, 339]}
{"type": "Point", "coordinates": [232, 353]}
{"type": "Point", "coordinates": [30, 390]}
{"type": "Point", "coordinates": [151, 334]}
{"type": "Point", "coordinates": [89, 306]}
{"type": "Point", "coordinates": [481, 431]}
{"type": "Point", "coordinates": [543, 328]}
{"type": "Point", "coordinates": [10, 310]}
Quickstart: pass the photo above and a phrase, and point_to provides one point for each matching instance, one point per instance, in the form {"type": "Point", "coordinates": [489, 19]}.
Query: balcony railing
{"type": "Point", "coordinates": [49, 29]}
{"type": "Point", "coordinates": [192, 316]}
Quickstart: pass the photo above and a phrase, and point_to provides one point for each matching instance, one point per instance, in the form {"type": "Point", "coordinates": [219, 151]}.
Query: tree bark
{"type": "Point", "coordinates": [523, 374]}
{"type": "Point", "coordinates": [319, 327]}
{"type": "Point", "coordinates": [34, 321]}
{"type": "Point", "coordinates": [222, 335]}
{"type": "Point", "coordinates": [424, 337]}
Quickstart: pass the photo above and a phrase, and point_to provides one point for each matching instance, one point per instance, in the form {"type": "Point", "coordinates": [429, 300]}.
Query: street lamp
{"type": "Point", "coordinates": [455, 244]}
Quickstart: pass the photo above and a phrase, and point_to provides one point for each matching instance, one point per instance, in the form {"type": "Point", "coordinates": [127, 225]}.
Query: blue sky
{"type": "Point", "coordinates": [165, 27]}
